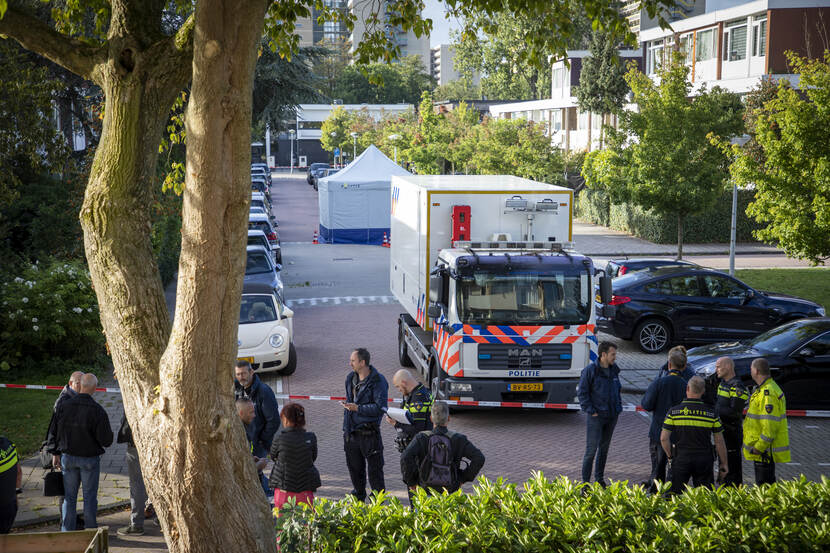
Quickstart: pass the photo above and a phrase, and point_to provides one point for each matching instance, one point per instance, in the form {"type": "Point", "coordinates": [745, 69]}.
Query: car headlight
{"type": "Point", "coordinates": [706, 370]}
{"type": "Point", "coordinates": [821, 312]}
{"type": "Point", "coordinates": [276, 340]}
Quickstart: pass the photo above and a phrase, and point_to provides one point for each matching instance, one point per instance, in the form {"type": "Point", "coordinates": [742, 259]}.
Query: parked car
{"type": "Point", "coordinates": [259, 196]}
{"type": "Point", "coordinates": [261, 173]}
{"type": "Point", "coordinates": [798, 353]}
{"type": "Point", "coordinates": [693, 305]}
{"type": "Point", "coordinates": [260, 267]}
{"type": "Point", "coordinates": [258, 238]}
{"type": "Point", "coordinates": [620, 267]}
{"type": "Point", "coordinates": [258, 185]}
{"type": "Point", "coordinates": [312, 171]}
{"type": "Point", "coordinates": [324, 173]}
{"type": "Point", "coordinates": [263, 223]}
{"type": "Point", "coordinates": [266, 330]}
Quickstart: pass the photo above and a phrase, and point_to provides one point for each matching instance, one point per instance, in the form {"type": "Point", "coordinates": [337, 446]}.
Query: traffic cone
{"type": "Point", "coordinates": [385, 241]}
{"type": "Point", "coordinates": [314, 240]}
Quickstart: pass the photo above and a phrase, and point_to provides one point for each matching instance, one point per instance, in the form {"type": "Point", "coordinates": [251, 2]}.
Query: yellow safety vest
{"type": "Point", "coordinates": [765, 425]}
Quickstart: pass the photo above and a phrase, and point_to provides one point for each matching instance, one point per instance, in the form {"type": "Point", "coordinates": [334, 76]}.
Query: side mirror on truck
{"type": "Point", "coordinates": [605, 291]}
{"type": "Point", "coordinates": [436, 288]}
{"type": "Point", "coordinates": [434, 311]}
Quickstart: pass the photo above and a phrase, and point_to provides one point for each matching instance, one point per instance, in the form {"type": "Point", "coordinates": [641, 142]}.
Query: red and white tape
{"type": "Point", "coordinates": [515, 404]}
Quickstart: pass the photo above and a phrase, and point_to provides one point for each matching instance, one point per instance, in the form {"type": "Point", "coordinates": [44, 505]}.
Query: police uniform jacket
{"type": "Point", "coordinates": [417, 405]}
{"type": "Point", "coordinates": [692, 424]}
{"type": "Point", "coordinates": [730, 403]}
{"type": "Point", "coordinates": [765, 425]}
{"type": "Point", "coordinates": [8, 472]}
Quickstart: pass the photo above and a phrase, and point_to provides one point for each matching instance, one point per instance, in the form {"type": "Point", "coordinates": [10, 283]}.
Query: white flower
{"type": "Point", "coordinates": [77, 310]}
{"type": "Point", "coordinates": [89, 310]}
{"type": "Point", "coordinates": [25, 300]}
{"type": "Point", "coordinates": [11, 315]}
{"type": "Point", "coordinates": [35, 328]}
{"type": "Point", "coordinates": [34, 319]}
{"type": "Point", "coordinates": [18, 280]}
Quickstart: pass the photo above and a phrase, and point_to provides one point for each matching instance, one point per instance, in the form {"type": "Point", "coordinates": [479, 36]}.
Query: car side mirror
{"type": "Point", "coordinates": [750, 293]}
{"type": "Point", "coordinates": [805, 352]}
{"type": "Point", "coordinates": [436, 287]}
{"type": "Point", "coordinates": [605, 291]}
{"type": "Point", "coordinates": [287, 313]}
{"type": "Point", "coordinates": [434, 311]}
{"type": "Point", "coordinates": [279, 266]}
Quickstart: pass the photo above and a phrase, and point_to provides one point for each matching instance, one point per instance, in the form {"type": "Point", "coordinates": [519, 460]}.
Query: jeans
{"type": "Point", "coordinates": [364, 451]}
{"type": "Point", "coordinates": [78, 471]}
{"type": "Point", "coordinates": [138, 493]}
{"type": "Point", "coordinates": [599, 432]}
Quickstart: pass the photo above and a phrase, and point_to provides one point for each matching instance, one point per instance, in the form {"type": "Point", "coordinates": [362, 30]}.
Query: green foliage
{"type": "Point", "coordinates": [552, 516]}
{"type": "Point", "coordinates": [335, 130]}
{"type": "Point", "coordinates": [458, 90]}
{"type": "Point", "coordinates": [49, 318]}
{"type": "Point", "coordinates": [381, 83]}
{"type": "Point", "coordinates": [709, 226]}
{"type": "Point", "coordinates": [602, 87]}
{"type": "Point", "coordinates": [811, 283]}
{"type": "Point", "coordinates": [662, 158]}
{"type": "Point", "coordinates": [24, 417]}
{"type": "Point", "coordinates": [792, 176]}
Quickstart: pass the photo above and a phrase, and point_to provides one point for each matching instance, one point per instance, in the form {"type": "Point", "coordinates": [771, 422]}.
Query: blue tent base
{"type": "Point", "coordinates": [353, 235]}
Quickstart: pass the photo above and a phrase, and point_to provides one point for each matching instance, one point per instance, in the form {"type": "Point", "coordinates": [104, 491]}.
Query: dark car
{"type": "Point", "coordinates": [620, 267]}
{"type": "Point", "coordinates": [260, 267]}
{"type": "Point", "coordinates": [693, 305]}
{"type": "Point", "coordinates": [323, 173]}
{"type": "Point", "coordinates": [312, 171]}
{"type": "Point", "coordinates": [798, 353]}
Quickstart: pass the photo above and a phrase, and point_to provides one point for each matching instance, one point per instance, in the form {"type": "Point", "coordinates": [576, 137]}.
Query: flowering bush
{"type": "Point", "coordinates": [49, 319]}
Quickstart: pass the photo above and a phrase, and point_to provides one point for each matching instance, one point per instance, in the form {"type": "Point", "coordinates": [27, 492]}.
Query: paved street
{"type": "Point", "coordinates": [341, 298]}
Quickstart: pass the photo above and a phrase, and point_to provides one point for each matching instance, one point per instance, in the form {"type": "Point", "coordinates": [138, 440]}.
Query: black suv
{"type": "Point", "coordinates": [620, 267]}
{"type": "Point", "coordinates": [693, 305]}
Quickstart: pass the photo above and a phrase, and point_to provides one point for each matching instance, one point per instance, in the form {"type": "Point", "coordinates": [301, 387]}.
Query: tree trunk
{"type": "Point", "coordinates": [679, 236]}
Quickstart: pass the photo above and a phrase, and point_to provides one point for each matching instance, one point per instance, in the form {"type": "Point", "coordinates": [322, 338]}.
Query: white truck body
{"type": "Point", "coordinates": [497, 334]}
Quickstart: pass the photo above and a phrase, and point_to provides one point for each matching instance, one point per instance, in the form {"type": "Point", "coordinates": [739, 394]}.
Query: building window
{"type": "Point", "coordinates": [687, 48]}
{"type": "Point", "coordinates": [556, 120]}
{"type": "Point", "coordinates": [654, 56]}
{"type": "Point", "coordinates": [759, 37]}
{"type": "Point", "coordinates": [705, 45]}
{"type": "Point", "coordinates": [558, 77]}
{"type": "Point", "coordinates": [582, 121]}
{"type": "Point", "coordinates": [734, 41]}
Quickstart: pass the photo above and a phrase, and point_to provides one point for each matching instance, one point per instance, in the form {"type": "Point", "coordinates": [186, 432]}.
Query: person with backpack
{"type": "Point", "coordinates": [434, 458]}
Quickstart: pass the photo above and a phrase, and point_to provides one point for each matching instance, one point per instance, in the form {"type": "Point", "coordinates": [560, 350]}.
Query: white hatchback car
{"type": "Point", "coordinates": [266, 331]}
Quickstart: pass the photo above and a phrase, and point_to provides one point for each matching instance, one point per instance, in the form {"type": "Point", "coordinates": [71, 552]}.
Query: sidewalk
{"type": "Point", "coordinates": [113, 488]}
{"type": "Point", "coordinates": [590, 239]}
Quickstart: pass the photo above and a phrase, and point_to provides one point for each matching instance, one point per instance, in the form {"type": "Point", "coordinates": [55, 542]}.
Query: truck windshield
{"type": "Point", "coordinates": [525, 298]}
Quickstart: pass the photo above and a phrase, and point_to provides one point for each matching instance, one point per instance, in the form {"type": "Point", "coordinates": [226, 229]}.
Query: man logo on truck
{"type": "Point", "coordinates": [524, 357]}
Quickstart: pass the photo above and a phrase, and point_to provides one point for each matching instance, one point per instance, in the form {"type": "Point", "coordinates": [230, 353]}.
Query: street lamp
{"type": "Point", "coordinates": [738, 141]}
{"type": "Point", "coordinates": [333, 135]}
{"type": "Point", "coordinates": [394, 138]}
{"type": "Point", "coordinates": [291, 134]}
{"type": "Point", "coordinates": [354, 146]}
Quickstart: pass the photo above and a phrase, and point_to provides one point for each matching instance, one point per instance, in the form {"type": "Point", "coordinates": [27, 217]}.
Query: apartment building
{"type": "Point", "coordinates": [442, 65]}
{"type": "Point", "coordinates": [313, 32]}
{"type": "Point", "coordinates": [409, 44]}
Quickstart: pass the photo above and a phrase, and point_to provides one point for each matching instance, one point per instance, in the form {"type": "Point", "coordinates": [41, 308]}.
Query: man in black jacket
{"type": "Point", "coordinates": [367, 393]}
{"type": "Point", "coordinates": [266, 421]}
{"type": "Point", "coordinates": [462, 451]}
{"type": "Point", "coordinates": [83, 431]}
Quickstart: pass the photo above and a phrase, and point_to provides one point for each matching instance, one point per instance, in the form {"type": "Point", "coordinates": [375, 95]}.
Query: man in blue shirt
{"type": "Point", "coordinates": [599, 397]}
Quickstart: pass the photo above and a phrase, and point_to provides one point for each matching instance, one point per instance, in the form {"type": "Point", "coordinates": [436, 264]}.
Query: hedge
{"type": "Point", "coordinates": [552, 516]}
{"type": "Point", "coordinates": [710, 226]}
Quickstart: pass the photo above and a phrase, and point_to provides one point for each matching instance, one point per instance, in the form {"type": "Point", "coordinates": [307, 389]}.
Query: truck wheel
{"type": "Point", "coordinates": [433, 379]}
{"type": "Point", "coordinates": [291, 366]}
{"type": "Point", "coordinates": [403, 350]}
{"type": "Point", "coordinates": [652, 335]}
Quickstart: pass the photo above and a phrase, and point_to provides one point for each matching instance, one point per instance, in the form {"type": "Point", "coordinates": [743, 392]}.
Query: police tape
{"type": "Point", "coordinates": [455, 402]}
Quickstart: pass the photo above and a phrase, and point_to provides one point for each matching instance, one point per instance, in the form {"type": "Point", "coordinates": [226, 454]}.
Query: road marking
{"type": "Point", "coordinates": [811, 426]}
{"type": "Point", "coordinates": [793, 464]}
{"type": "Point", "coordinates": [824, 464]}
{"type": "Point", "coordinates": [339, 300]}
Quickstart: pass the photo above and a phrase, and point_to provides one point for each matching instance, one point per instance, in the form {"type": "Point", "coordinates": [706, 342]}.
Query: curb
{"type": "Point", "coordinates": [52, 519]}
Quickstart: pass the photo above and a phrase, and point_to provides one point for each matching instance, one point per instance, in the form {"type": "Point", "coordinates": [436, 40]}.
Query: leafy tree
{"type": "Point", "coordinates": [458, 90]}
{"type": "Point", "coordinates": [335, 130]}
{"type": "Point", "coordinates": [661, 157]}
{"type": "Point", "coordinates": [429, 139]}
{"type": "Point", "coordinates": [380, 83]}
{"type": "Point", "coordinates": [602, 87]}
{"type": "Point", "coordinates": [790, 172]}
{"type": "Point", "coordinates": [330, 66]}
{"type": "Point", "coordinates": [176, 380]}
{"type": "Point", "coordinates": [515, 147]}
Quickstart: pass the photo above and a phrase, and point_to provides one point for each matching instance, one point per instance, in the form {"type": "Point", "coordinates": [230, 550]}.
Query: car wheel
{"type": "Point", "coordinates": [652, 335]}
{"type": "Point", "coordinates": [403, 350]}
{"type": "Point", "coordinates": [291, 366]}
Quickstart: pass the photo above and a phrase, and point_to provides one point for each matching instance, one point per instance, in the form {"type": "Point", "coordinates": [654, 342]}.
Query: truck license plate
{"type": "Point", "coordinates": [526, 387]}
{"type": "Point", "coordinates": [248, 359]}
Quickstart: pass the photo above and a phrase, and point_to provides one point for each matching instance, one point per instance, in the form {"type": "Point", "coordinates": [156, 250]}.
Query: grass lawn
{"type": "Point", "coordinates": [25, 414]}
{"type": "Point", "coordinates": [808, 283]}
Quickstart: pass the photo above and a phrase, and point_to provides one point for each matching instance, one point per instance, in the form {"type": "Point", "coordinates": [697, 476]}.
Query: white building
{"type": "Point", "coordinates": [442, 65]}
{"type": "Point", "coordinates": [732, 44]}
{"type": "Point", "coordinates": [409, 44]}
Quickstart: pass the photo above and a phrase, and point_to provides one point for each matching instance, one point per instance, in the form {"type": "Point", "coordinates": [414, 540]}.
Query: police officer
{"type": "Point", "coordinates": [691, 425]}
{"type": "Point", "coordinates": [729, 406]}
{"type": "Point", "coordinates": [417, 401]}
{"type": "Point", "coordinates": [766, 439]}
{"type": "Point", "coordinates": [10, 480]}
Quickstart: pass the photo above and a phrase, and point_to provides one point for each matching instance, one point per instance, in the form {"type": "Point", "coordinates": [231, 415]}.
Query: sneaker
{"type": "Point", "coordinates": [602, 484]}
{"type": "Point", "coordinates": [131, 531]}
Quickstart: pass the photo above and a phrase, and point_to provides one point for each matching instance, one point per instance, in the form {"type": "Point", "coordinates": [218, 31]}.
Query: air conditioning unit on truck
{"type": "Point", "coordinates": [499, 308]}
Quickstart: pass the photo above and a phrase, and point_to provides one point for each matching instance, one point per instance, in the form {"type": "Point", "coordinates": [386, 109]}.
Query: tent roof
{"type": "Point", "coordinates": [370, 166]}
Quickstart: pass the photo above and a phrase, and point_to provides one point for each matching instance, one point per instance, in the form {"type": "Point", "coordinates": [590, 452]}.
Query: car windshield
{"type": "Point", "coordinates": [258, 240]}
{"type": "Point", "coordinates": [258, 263]}
{"type": "Point", "coordinates": [526, 297]}
{"type": "Point", "coordinates": [631, 278]}
{"type": "Point", "coordinates": [257, 308]}
{"type": "Point", "coordinates": [260, 225]}
{"type": "Point", "coordinates": [782, 338]}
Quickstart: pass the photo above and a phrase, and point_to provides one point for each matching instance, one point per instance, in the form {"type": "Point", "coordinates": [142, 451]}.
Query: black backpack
{"type": "Point", "coordinates": [437, 469]}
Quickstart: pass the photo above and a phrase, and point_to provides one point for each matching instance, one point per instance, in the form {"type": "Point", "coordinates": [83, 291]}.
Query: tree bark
{"type": "Point", "coordinates": [679, 236]}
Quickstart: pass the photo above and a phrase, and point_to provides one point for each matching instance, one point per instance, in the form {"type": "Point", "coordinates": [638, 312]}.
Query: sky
{"type": "Point", "coordinates": [440, 26]}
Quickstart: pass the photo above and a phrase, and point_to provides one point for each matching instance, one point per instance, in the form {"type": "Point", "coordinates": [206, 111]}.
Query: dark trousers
{"type": "Point", "coordinates": [765, 472]}
{"type": "Point", "coordinates": [364, 450]}
{"type": "Point", "coordinates": [734, 438]}
{"type": "Point", "coordinates": [598, 438]}
{"type": "Point", "coordinates": [697, 465]}
{"type": "Point", "coordinates": [659, 462]}
{"type": "Point", "coordinates": [7, 514]}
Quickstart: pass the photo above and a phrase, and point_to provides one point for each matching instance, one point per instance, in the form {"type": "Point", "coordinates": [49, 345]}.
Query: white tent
{"type": "Point", "coordinates": [355, 201]}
